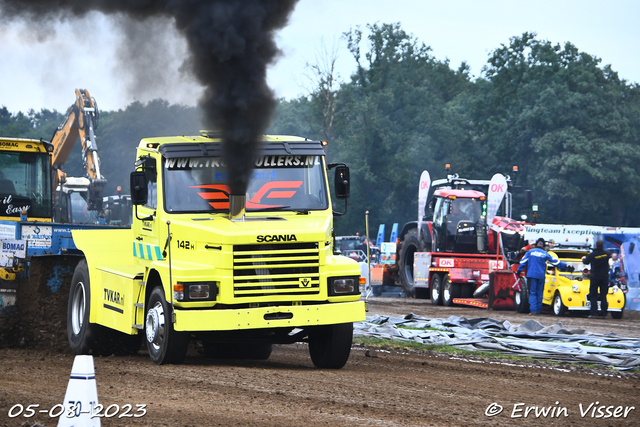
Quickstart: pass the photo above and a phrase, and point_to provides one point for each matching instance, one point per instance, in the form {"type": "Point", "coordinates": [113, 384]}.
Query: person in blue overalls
{"type": "Point", "coordinates": [535, 261]}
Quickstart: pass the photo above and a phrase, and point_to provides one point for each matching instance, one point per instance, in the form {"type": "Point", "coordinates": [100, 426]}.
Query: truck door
{"type": "Point", "coordinates": [145, 223]}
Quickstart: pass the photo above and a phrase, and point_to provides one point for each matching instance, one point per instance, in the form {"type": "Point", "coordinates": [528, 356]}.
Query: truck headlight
{"type": "Point", "coordinates": [199, 291]}
{"type": "Point", "coordinates": [195, 291]}
{"type": "Point", "coordinates": [344, 286]}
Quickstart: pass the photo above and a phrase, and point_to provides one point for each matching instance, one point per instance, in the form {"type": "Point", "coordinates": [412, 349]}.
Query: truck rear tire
{"type": "Point", "coordinates": [435, 288]}
{"type": "Point", "coordinates": [82, 335]}
{"type": "Point", "coordinates": [330, 345]}
{"type": "Point", "coordinates": [165, 345]}
{"type": "Point", "coordinates": [410, 245]}
{"type": "Point", "coordinates": [449, 291]}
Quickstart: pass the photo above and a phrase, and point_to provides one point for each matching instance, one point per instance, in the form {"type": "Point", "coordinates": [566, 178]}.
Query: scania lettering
{"type": "Point", "coordinates": [280, 238]}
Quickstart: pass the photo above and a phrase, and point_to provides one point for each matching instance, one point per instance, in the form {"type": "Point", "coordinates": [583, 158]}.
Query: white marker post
{"type": "Point", "coordinates": [82, 395]}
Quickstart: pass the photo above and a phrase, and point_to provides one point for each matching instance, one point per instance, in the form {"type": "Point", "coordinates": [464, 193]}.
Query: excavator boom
{"type": "Point", "coordinates": [81, 122]}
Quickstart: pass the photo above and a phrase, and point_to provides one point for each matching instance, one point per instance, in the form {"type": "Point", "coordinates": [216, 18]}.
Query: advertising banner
{"type": "Point", "coordinates": [423, 193]}
{"type": "Point", "coordinates": [497, 190]}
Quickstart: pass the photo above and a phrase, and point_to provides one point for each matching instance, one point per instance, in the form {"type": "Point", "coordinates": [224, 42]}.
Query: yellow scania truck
{"type": "Point", "coordinates": [237, 272]}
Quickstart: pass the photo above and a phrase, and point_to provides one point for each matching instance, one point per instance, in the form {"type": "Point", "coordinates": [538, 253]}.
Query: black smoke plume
{"type": "Point", "coordinates": [231, 43]}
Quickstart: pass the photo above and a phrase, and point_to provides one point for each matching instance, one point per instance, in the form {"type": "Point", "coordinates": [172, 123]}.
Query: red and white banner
{"type": "Point", "coordinates": [497, 190]}
{"type": "Point", "coordinates": [423, 194]}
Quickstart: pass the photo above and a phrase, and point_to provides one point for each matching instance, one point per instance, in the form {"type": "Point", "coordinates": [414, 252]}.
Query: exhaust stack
{"type": "Point", "coordinates": [237, 207]}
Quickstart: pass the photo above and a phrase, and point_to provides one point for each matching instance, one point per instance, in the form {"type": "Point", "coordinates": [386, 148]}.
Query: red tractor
{"type": "Point", "coordinates": [453, 253]}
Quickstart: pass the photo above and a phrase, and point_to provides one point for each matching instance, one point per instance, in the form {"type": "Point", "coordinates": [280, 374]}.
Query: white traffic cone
{"type": "Point", "coordinates": [81, 396]}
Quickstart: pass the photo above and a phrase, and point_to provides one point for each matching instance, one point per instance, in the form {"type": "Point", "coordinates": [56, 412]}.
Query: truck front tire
{"type": "Point", "coordinates": [165, 345]}
{"type": "Point", "coordinates": [330, 345]}
{"type": "Point", "coordinates": [82, 334]}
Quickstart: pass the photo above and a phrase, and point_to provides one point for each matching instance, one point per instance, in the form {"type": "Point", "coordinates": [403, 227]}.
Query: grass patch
{"type": "Point", "coordinates": [448, 349]}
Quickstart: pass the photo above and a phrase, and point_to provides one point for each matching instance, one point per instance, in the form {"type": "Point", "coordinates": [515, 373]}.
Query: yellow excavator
{"type": "Point", "coordinates": [81, 122]}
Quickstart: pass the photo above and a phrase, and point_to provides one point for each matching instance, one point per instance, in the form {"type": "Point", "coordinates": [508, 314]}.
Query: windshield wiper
{"type": "Point", "coordinates": [275, 208]}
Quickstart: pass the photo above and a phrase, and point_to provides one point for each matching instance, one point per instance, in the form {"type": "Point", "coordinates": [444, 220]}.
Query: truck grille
{"type": "Point", "coordinates": [276, 269]}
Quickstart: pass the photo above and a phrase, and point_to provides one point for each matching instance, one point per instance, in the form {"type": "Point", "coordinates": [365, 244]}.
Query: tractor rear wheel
{"type": "Point", "coordinates": [410, 245]}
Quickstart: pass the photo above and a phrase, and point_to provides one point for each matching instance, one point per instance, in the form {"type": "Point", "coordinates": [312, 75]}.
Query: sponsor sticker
{"type": "Point", "coordinates": [446, 262]}
{"type": "Point", "coordinates": [37, 236]}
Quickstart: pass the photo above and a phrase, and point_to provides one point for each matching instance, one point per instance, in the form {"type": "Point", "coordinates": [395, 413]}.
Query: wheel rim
{"type": "Point", "coordinates": [557, 304]}
{"type": "Point", "coordinates": [77, 309]}
{"type": "Point", "coordinates": [155, 326]}
{"type": "Point", "coordinates": [435, 289]}
{"type": "Point", "coordinates": [518, 298]}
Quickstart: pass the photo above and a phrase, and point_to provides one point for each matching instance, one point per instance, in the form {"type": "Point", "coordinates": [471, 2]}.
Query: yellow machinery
{"type": "Point", "coordinates": [239, 273]}
{"type": "Point", "coordinates": [81, 122]}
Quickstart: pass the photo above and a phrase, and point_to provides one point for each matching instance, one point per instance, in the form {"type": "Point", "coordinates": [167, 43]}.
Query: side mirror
{"type": "Point", "coordinates": [342, 182]}
{"type": "Point", "coordinates": [139, 184]}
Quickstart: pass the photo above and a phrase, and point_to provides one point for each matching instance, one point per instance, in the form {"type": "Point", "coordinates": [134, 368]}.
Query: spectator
{"type": "Point", "coordinates": [599, 285]}
{"type": "Point", "coordinates": [530, 245]}
{"type": "Point", "coordinates": [550, 245]}
{"type": "Point", "coordinates": [535, 261]}
{"type": "Point", "coordinates": [614, 267]}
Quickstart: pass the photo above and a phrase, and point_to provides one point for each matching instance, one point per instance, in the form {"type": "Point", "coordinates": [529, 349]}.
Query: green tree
{"type": "Point", "coordinates": [397, 117]}
{"type": "Point", "coordinates": [570, 124]}
{"type": "Point", "coordinates": [120, 133]}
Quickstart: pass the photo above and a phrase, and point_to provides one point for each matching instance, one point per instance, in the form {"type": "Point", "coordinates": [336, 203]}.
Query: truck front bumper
{"type": "Point", "coordinates": [298, 316]}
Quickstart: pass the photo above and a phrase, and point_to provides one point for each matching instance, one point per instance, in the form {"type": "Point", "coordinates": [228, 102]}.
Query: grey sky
{"type": "Point", "coordinates": [41, 67]}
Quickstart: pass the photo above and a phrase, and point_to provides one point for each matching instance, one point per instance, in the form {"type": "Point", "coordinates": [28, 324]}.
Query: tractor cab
{"type": "Point", "coordinates": [459, 223]}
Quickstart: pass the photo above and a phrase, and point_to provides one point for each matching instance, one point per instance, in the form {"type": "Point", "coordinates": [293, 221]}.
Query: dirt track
{"type": "Point", "coordinates": [374, 388]}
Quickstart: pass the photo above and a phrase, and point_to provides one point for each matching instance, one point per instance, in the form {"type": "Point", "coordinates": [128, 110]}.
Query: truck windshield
{"type": "Point", "coordinates": [200, 184]}
{"type": "Point", "coordinates": [25, 184]}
